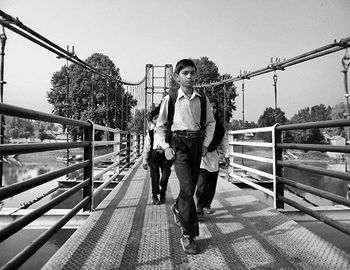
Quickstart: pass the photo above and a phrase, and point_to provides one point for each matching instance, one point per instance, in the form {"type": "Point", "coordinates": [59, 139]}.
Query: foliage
{"type": "Point", "coordinates": [225, 94]}
{"type": "Point", "coordinates": [137, 123]}
{"type": "Point", "coordinates": [238, 124]}
{"type": "Point", "coordinates": [269, 118]}
{"type": "Point", "coordinates": [314, 114]}
{"type": "Point", "coordinates": [89, 96]}
{"type": "Point", "coordinates": [45, 136]}
{"type": "Point", "coordinates": [18, 127]}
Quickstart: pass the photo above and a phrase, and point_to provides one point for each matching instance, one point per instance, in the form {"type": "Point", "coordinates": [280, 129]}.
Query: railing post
{"type": "Point", "coordinates": [2, 83]}
{"type": "Point", "coordinates": [278, 187]}
{"type": "Point", "coordinates": [88, 171]}
{"type": "Point", "coordinates": [138, 145]}
{"type": "Point", "coordinates": [230, 168]}
{"type": "Point", "coordinates": [116, 150]}
{"type": "Point", "coordinates": [128, 147]}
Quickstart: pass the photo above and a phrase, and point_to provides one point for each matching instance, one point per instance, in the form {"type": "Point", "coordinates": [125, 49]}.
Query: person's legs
{"type": "Point", "coordinates": [154, 171]}
{"type": "Point", "coordinates": [166, 171]}
{"type": "Point", "coordinates": [212, 182]}
{"type": "Point", "coordinates": [188, 156]}
{"type": "Point", "coordinates": [201, 195]}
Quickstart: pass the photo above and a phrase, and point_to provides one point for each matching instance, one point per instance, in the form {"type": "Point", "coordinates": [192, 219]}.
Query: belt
{"type": "Point", "coordinates": [187, 134]}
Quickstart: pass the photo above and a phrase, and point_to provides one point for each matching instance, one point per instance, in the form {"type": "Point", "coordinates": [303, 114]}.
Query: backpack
{"type": "Point", "coordinates": [171, 110]}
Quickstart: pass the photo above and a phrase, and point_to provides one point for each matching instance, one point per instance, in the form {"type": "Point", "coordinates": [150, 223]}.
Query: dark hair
{"type": "Point", "coordinates": [153, 113]}
{"type": "Point", "coordinates": [183, 64]}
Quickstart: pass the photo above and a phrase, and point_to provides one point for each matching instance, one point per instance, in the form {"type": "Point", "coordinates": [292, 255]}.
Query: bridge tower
{"type": "Point", "coordinates": [157, 85]}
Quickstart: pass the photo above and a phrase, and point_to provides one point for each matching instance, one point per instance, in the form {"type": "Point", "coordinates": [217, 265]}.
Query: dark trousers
{"type": "Point", "coordinates": [188, 154]}
{"type": "Point", "coordinates": [206, 187]}
{"type": "Point", "coordinates": [158, 164]}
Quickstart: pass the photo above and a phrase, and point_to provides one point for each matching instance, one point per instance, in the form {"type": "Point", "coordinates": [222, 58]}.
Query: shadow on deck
{"type": "Point", "coordinates": [127, 232]}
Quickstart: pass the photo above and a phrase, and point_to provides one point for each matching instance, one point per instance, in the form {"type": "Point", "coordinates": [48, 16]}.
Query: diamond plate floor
{"type": "Point", "coordinates": [127, 232]}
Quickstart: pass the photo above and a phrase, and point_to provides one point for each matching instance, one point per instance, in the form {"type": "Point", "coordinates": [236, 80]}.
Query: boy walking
{"type": "Point", "coordinates": [186, 126]}
{"type": "Point", "coordinates": [154, 158]}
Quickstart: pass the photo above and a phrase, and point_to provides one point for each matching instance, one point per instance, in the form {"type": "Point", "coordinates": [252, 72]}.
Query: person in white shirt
{"type": "Point", "coordinates": [209, 168]}
{"type": "Point", "coordinates": [154, 158]}
{"type": "Point", "coordinates": [186, 128]}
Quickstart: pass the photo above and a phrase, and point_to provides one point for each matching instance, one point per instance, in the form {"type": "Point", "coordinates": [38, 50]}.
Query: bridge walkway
{"type": "Point", "coordinates": [127, 232]}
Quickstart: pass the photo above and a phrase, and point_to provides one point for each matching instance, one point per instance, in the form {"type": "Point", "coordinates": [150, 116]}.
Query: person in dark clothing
{"type": "Point", "coordinates": [154, 158]}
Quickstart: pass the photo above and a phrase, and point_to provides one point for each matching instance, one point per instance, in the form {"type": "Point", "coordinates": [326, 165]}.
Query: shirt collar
{"type": "Point", "coordinates": [182, 94]}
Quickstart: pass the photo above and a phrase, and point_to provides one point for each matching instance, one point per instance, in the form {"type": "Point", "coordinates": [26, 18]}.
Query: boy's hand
{"type": "Point", "coordinates": [204, 151]}
{"type": "Point", "coordinates": [169, 153]}
{"type": "Point", "coordinates": [227, 161]}
{"type": "Point", "coordinates": [145, 166]}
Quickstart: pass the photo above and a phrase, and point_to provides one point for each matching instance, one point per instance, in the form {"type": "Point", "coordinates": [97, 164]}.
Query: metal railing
{"type": "Point", "coordinates": [239, 170]}
{"type": "Point", "coordinates": [126, 148]}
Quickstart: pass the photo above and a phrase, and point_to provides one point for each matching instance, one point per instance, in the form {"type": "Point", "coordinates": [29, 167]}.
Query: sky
{"type": "Point", "coordinates": [236, 35]}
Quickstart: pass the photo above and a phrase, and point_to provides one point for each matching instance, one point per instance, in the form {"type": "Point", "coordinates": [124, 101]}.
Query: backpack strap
{"type": "Point", "coordinates": [203, 118]}
{"type": "Point", "coordinates": [171, 110]}
{"type": "Point", "coordinates": [151, 136]}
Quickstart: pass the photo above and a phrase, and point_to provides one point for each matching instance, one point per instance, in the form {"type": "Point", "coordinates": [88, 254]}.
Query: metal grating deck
{"type": "Point", "coordinates": [127, 232]}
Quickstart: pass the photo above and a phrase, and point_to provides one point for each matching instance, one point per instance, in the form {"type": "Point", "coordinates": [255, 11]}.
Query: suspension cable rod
{"type": "Point", "coordinates": [328, 49]}
{"type": "Point", "coordinates": [33, 36]}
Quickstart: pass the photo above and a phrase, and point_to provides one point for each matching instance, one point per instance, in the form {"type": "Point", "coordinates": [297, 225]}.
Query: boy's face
{"type": "Point", "coordinates": [187, 77]}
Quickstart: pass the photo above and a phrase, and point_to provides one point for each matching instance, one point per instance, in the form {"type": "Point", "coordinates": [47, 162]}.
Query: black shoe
{"type": "Point", "coordinates": [200, 215]}
{"type": "Point", "coordinates": [189, 244]}
{"type": "Point", "coordinates": [162, 198]}
{"type": "Point", "coordinates": [155, 200]}
{"type": "Point", "coordinates": [176, 215]}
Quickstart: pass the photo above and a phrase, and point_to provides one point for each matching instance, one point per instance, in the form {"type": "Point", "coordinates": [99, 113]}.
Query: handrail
{"type": "Point", "coordinates": [36, 115]}
{"type": "Point", "coordinates": [14, 189]}
{"type": "Point", "coordinates": [279, 180]}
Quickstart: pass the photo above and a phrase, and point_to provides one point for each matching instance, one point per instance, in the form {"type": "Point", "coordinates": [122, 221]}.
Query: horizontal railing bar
{"type": "Point", "coordinates": [14, 189]}
{"type": "Point", "coordinates": [252, 184]}
{"type": "Point", "coordinates": [105, 143]}
{"type": "Point", "coordinates": [315, 147]}
{"type": "Point", "coordinates": [261, 159]}
{"type": "Point", "coordinates": [320, 124]}
{"type": "Point", "coordinates": [123, 167]}
{"type": "Point", "coordinates": [25, 220]}
{"type": "Point", "coordinates": [251, 130]}
{"type": "Point", "coordinates": [316, 215]}
{"type": "Point", "coordinates": [316, 191]}
{"type": "Point", "coordinates": [315, 169]}
{"type": "Point", "coordinates": [98, 175]}
{"type": "Point", "coordinates": [122, 159]}
{"type": "Point", "coordinates": [100, 158]}
{"type": "Point", "coordinates": [35, 245]}
{"type": "Point", "coordinates": [257, 144]}
{"type": "Point", "coordinates": [12, 149]}
{"type": "Point", "coordinates": [11, 110]}
{"type": "Point", "coordinates": [261, 173]}
{"type": "Point", "coordinates": [106, 183]}
{"type": "Point", "coordinates": [104, 128]}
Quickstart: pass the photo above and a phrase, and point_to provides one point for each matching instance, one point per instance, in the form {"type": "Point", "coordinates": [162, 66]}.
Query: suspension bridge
{"type": "Point", "coordinates": [125, 231]}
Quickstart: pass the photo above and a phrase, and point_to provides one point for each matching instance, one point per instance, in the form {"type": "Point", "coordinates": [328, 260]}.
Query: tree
{"type": "Point", "coordinates": [90, 96]}
{"type": "Point", "coordinates": [137, 123]}
{"type": "Point", "coordinates": [314, 114]}
{"type": "Point", "coordinates": [225, 94]}
{"type": "Point", "coordinates": [268, 119]}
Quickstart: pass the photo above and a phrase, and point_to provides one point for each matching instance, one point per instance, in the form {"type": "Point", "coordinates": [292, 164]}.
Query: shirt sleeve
{"type": "Point", "coordinates": [161, 127]}
{"type": "Point", "coordinates": [146, 148]}
{"type": "Point", "coordinates": [209, 125]}
{"type": "Point", "coordinates": [224, 146]}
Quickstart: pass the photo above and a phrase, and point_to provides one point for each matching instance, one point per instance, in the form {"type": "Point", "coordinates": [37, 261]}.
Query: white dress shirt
{"type": "Point", "coordinates": [187, 114]}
